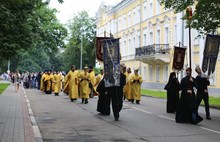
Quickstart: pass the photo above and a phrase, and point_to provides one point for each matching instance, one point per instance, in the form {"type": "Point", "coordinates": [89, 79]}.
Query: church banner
{"type": "Point", "coordinates": [111, 56]}
{"type": "Point", "coordinates": [210, 53]}
{"type": "Point", "coordinates": [178, 59]}
{"type": "Point", "coordinates": [99, 47]}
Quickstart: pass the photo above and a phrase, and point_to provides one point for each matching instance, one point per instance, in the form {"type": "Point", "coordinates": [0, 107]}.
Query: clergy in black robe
{"type": "Point", "coordinates": [187, 106]}
{"type": "Point", "coordinates": [103, 105]}
{"type": "Point", "coordinates": [172, 88]}
{"type": "Point", "coordinates": [116, 95]}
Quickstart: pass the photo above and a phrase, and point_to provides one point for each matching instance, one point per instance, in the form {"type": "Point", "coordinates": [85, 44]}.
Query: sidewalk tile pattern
{"type": "Point", "coordinates": [15, 124]}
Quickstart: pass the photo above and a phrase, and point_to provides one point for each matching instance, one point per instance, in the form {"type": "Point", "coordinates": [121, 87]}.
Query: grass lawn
{"type": "Point", "coordinates": [213, 101]}
{"type": "Point", "coordinates": [3, 86]}
{"type": "Point", "coordinates": [154, 93]}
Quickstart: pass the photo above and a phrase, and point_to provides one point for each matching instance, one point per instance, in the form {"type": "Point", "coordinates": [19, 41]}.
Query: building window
{"type": "Point", "coordinates": [125, 48]}
{"type": "Point", "coordinates": [165, 73]}
{"type": "Point", "coordinates": [151, 38]}
{"type": "Point", "coordinates": [166, 35]}
{"type": "Point", "coordinates": [129, 20]}
{"type": "Point", "coordinates": [158, 6]}
{"type": "Point", "coordinates": [129, 47]}
{"type": "Point", "coordinates": [134, 46]}
{"type": "Point", "coordinates": [151, 9]}
{"type": "Point", "coordinates": [145, 40]}
{"type": "Point", "coordinates": [144, 74]}
{"type": "Point", "coordinates": [139, 41]}
{"type": "Point", "coordinates": [124, 23]}
{"type": "Point", "coordinates": [133, 18]}
{"type": "Point", "coordinates": [144, 12]}
{"type": "Point", "coordinates": [139, 14]}
{"type": "Point", "coordinates": [175, 34]}
{"type": "Point", "coordinates": [150, 73]}
{"type": "Point", "coordinates": [158, 40]}
{"type": "Point", "coordinates": [158, 36]}
{"type": "Point", "coordinates": [157, 73]}
{"type": "Point", "coordinates": [119, 25]}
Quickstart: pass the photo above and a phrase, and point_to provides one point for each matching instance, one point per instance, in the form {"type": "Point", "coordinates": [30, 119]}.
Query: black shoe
{"type": "Point", "coordinates": [137, 102]}
{"type": "Point", "coordinates": [116, 119]}
{"type": "Point", "coordinates": [86, 101]}
{"type": "Point", "coordinates": [82, 101]}
{"type": "Point", "coordinates": [71, 100]}
{"type": "Point", "coordinates": [132, 101]}
{"type": "Point", "coordinates": [208, 117]}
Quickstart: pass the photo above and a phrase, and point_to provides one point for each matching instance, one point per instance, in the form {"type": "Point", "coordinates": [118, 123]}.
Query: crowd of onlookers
{"type": "Point", "coordinates": [4, 76]}
{"type": "Point", "coordinates": [29, 79]}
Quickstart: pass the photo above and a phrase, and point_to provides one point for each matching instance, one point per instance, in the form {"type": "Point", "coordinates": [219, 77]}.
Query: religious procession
{"type": "Point", "coordinates": [85, 84]}
{"type": "Point", "coordinates": [116, 83]}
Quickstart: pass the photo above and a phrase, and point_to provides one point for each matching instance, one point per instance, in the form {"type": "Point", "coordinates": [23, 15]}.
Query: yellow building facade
{"type": "Point", "coordinates": [148, 34]}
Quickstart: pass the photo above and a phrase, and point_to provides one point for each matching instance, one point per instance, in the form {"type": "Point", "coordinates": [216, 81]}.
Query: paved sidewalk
{"type": "Point", "coordinates": [15, 121]}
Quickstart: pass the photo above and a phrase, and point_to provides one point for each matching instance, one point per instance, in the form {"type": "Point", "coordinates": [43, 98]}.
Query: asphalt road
{"type": "Point", "coordinates": [60, 120]}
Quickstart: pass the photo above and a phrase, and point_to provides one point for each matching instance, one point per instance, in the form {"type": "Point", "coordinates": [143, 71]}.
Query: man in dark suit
{"type": "Point", "coordinates": [202, 90]}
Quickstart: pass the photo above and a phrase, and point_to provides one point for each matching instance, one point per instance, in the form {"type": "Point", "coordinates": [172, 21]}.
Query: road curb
{"type": "Point", "coordinates": [35, 127]}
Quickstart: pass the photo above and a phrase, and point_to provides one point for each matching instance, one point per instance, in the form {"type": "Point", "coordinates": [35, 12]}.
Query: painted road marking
{"type": "Point", "coordinates": [210, 130]}
{"type": "Point", "coordinates": [166, 117]}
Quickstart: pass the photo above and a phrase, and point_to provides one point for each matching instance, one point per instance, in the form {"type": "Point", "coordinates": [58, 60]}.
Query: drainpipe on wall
{"type": "Point", "coordinates": [140, 32]}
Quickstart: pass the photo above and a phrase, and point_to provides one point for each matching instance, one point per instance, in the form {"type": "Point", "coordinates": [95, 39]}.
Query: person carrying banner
{"type": "Point", "coordinates": [84, 88]}
{"type": "Point", "coordinates": [173, 88]}
{"type": "Point", "coordinates": [116, 95]}
{"type": "Point", "coordinates": [71, 83]}
{"type": "Point", "coordinates": [202, 91]}
{"type": "Point", "coordinates": [187, 107]}
{"type": "Point", "coordinates": [136, 81]}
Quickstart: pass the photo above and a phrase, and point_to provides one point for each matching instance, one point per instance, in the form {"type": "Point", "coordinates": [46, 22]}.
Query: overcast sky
{"type": "Point", "coordinates": [71, 7]}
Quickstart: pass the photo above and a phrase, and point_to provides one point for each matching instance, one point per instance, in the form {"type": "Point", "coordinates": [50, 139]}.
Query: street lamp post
{"type": "Point", "coordinates": [189, 17]}
{"type": "Point", "coordinates": [8, 71]}
{"type": "Point", "coordinates": [81, 52]}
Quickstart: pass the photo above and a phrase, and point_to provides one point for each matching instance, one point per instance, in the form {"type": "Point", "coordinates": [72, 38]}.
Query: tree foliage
{"type": "Point", "coordinates": [82, 27]}
{"type": "Point", "coordinates": [206, 17]}
{"type": "Point", "coordinates": [30, 34]}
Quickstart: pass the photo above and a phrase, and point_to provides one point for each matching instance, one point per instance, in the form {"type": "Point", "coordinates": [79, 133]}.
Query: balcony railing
{"type": "Point", "coordinates": [152, 49]}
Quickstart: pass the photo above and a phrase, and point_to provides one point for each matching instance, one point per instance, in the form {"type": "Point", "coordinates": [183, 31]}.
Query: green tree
{"type": "Point", "coordinates": [206, 17]}
{"type": "Point", "coordinates": [23, 26]}
{"type": "Point", "coordinates": [47, 36]}
{"type": "Point", "coordinates": [82, 28]}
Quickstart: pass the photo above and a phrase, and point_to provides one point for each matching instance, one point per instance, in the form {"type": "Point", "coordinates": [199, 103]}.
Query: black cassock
{"type": "Point", "coordinates": [112, 94]}
{"type": "Point", "coordinates": [103, 105]}
{"type": "Point", "coordinates": [187, 106]}
{"type": "Point", "coordinates": [173, 88]}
